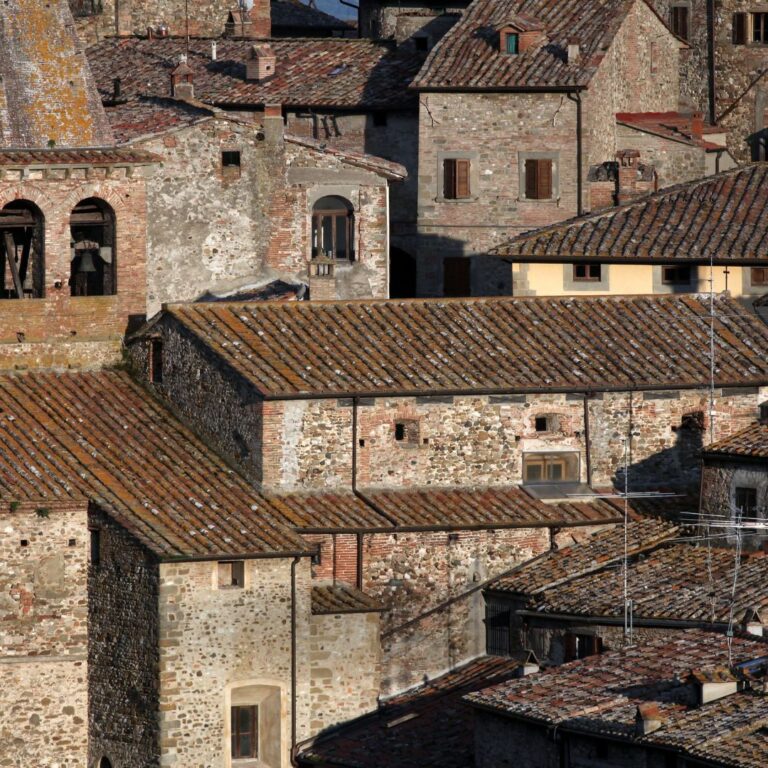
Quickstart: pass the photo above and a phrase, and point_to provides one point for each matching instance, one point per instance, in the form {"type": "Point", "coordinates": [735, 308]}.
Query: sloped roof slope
{"type": "Point", "coordinates": [722, 217]}
{"type": "Point", "coordinates": [751, 443]}
{"type": "Point", "coordinates": [465, 346]}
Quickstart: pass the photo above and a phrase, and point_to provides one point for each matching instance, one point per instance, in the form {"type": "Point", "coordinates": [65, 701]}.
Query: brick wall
{"type": "Point", "coordinates": [344, 654]}
{"type": "Point", "coordinates": [123, 679]}
{"type": "Point", "coordinates": [214, 642]}
{"type": "Point", "coordinates": [43, 610]}
{"type": "Point", "coordinates": [61, 330]}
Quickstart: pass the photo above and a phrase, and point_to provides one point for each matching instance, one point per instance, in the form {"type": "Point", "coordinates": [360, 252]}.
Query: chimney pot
{"type": "Point", "coordinates": [574, 50]}
{"type": "Point", "coordinates": [182, 80]}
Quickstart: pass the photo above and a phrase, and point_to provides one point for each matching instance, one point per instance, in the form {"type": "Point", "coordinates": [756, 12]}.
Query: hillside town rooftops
{"type": "Point", "coordinates": [721, 217]}
{"type": "Point", "coordinates": [749, 443]}
{"type": "Point", "coordinates": [428, 726]}
{"type": "Point", "coordinates": [603, 695]}
{"type": "Point", "coordinates": [102, 438]}
{"type": "Point", "coordinates": [144, 116]}
{"type": "Point", "coordinates": [469, 57]}
{"type": "Point", "coordinates": [324, 72]}
{"type": "Point", "coordinates": [480, 346]}
{"type": "Point", "coordinates": [332, 599]}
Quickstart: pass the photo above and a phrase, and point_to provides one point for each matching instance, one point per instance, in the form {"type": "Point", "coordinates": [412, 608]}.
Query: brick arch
{"type": "Point", "coordinates": [91, 189]}
{"type": "Point", "coordinates": [33, 194]}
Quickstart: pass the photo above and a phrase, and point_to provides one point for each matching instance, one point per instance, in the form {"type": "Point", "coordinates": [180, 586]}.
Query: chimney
{"type": "Point", "coordinates": [261, 62]}
{"type": "Point", "coordinates": [238, 25]}
{"type": "Point", "coordinates": [273, 123]}
{"type": "Point", "coordinates": [713, 684]}
{"type": "Point", "coordinates": [214, 49]}
{"type": "Point", "coordinates": [573, 51]}
{"type": "Point", "coordinates": [628, 160]}
{"type": "Point", "coordinates": [261, 18]}
{"type": "Point", "coordinates": [752, 623]}
{"type": "Point", "coordinates": [697, 125]}
{"type": "Point", "coordinates": [322, 279]}
{"type": "Point", "coordinates": [123, 20]}
{"type": "Point", "coordinates": [182, 85]}
{"type": "Point", "coordinates": [647, 718]}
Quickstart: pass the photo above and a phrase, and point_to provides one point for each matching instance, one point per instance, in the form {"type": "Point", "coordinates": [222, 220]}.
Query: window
{"type": "Point", "coordinates": [92, 234]}
{"type": "Point", "coordinates": [105, 762]}
{"type": "Point", "coordinates": [421, 43]}
{"type": "Point", "coordinates": [759, 27]}
{"type": "Point", "coordinates": [456, 276]}
{"type": "Point", "coordinates": [380, 119]}
{"type": "Point", "coordinates": [675, 275]}
{"type": "Point", "coordinates": [231, 574]}
{"type": "Point", "coordinates": [579, 646]}
{"type": "Point", "coordinates": [759, 275]}
{"type": "Point", "coordinates": [245, 732]}
{"type": "Point", "coordinates": [739, 29]}
{"type": "Point", "coordinates": [542, 424]}
{"type": "Point", "coordinates": [679, 19]}
{"type": "Point", "coordinates": [230, 164]}
{"type": "Point", "coordinates": [498, 624]}
{"type": "Point", "coordinates": [407, 432]}
{"type": "Point", "coordinates": [456, 184]}
{"type": "Point", "coordinates": [763, 411]}
{"type": "Point", "coordinates": [512, 43]}
{"type": "Point", "coordinates": [156, 361]}
{"type": "Point", "coordinates": [745, 500]}
{"type": "Point", "coordinates": [551, 467]}
{"type": "Point", "coordinates": [95, 546]}
{"type": "Point", "coordinates": [81, 9]}
{"type": "Point", "coordinates": [538, 179]}
{"type": "Point", "coordinates": [587, 273]}
{"type": "Point", "coordinates": [22, 238]}
{"type": "Point", "coordinates": [333, 229]}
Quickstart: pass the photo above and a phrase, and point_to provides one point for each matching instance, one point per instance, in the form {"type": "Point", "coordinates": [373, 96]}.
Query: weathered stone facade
{"type": "Point", "coordinates": [215, 229]}
{"type": "Point", "coordinates": [406, 21]}
{"type": "Point", "coordinates": [59, 329]}
{"type": "Point", "coordinates": [497, 132]}
{"type": "Point", "coordinates": [44, 615]}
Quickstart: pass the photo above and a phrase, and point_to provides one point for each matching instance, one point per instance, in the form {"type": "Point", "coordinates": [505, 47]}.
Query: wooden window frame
{"type": "Point", "coordinates": [457, 178]}
{"type": "Point", "coordinates": [757, 23]}
{"type": "Point", "coordinates": [758, 276]}
{"type": "Point", "coordinates": [740, 28]}
{"type": "Point", "coordinates": [347, 218]}
{"type": "Point", "coordinates": [568, 460]}
{"type": "Point", "coordinates": [237, 732]}
{"type": "Point", "coordinates": [230, 574]}
{"type": "Point", "coordinates": [538, 185]}
{"type": "Point", "coordinates": [588, 277]}
{"type": "Point", "coordinates": [670, 269]}
{"type": "Point", "coordinates": [680, 20]}
{"type": "Point", "coordinates": [747, 509]}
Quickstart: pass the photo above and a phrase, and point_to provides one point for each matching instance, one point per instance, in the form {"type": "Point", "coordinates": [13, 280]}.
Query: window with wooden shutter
{"type": "Point", "coordinates": [759, 276]}
{"type": "Point", "coordinates": [739, 28]}
{"type": "Point", "coordinates": [456, 184]}
{"type": "Point", "coordinates": [680, 20]}
{"type": "Point", "coordinates": [538, 179]}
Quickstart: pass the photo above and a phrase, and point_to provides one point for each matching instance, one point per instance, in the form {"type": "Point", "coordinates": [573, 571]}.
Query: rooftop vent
{"type": "Point", "coordinates": [648, 718]}
{"type": "Point", "coordinates": [573, 52]}
{"type": "Point", "coordinates": [713, 684]}
{"type": "Point", "coordinates": [182, 80]}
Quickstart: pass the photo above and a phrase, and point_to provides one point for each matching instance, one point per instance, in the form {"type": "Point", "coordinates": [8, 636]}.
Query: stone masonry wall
{"type": "Point", "coordinates": [215, 641]}
{"type": "Point", "coordinates": [44, 619]}
{"type": "Point", "coordinates": [123, 681]}
{"type": "Point", "coordinates": [430, 583]}
{"type": "Point", "coordinates": [60, 330]}
{"type": "Point", "coordinates": [345, 659]}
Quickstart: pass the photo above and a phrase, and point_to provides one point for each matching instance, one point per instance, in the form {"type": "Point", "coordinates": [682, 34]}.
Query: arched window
{"type": "Point", "coordinates": [105, 762]}
{"type": "Point", "coordinates": [333, 229]}
{"type": "Point", "coordinates": [92, 228]}
{"type": "Point", "coordinates": [22, 238]}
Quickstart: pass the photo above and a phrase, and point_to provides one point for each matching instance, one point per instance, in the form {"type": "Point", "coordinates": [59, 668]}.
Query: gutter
{"type": "Point", "coordinates": [294, 696]}
{"type": "Point", "coordinates": [711, 62]}
{"type": "Point", "coordinates": [576, 97]}
{"type": "Point", "coordinates": [618, 621]}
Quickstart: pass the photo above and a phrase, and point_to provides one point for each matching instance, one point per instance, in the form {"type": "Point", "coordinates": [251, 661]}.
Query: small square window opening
{"type": "Point", "coordinates": [230, 164]}
{"type": "Point", "coordinates": [542, 424]}
{"type": "Point", "coordinates": [156, 361]}
{"type": "Point", "coordinates": [587, 273]}
{"type": "Point", "coordinates": [380, 119]}
{"type": "Point", "coordinates": [676, 275]}
{"type": "Point", "coordinates": [759, 275]}
{"type": "Point", "coordinates": [231, 574]}
{"type": "Point", "coordinates": [407, 432]}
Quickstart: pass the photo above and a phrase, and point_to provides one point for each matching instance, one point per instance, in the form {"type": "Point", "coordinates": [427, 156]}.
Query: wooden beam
{"type": "Point", "coordinates": [25, 253]}
{"type": "Point", "coordinates": [10, 250]}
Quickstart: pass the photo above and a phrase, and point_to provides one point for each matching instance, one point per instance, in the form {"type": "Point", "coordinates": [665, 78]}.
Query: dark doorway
{"type": "Point", "coordinates": [456, 276]}
{"type": "Point", "coordinates": [402, 274]}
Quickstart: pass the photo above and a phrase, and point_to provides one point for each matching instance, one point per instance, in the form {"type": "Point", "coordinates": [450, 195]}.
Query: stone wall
{"type": "Point", "coordinates": [345, 659]}
{"type": "Point", "coordinates": [403, 20]}
{"type": "Point", "coordinates": [216, 229]}
{"type": "Point", "coordinates": [123, 680]}
{"type": "Point", "coordinates": [431, 585]}
{"type": "Point", "coordinates": [62, 330]}
{"type": "Point", "coordinates": [231, 645]}
{"type": "Point", "coordinates": [44, 615]}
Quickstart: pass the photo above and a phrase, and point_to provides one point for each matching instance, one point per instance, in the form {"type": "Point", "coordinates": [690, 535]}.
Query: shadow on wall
{"type": "Point", "coordinates": [675, 468]}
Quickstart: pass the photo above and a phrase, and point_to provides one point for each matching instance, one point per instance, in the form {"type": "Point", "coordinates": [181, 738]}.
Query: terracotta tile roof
{"type": "Point", "coordinates": [47, 92]}
{"type": "Point", "coordinates": [502, 507]}
{"type": "Point", "coordinates": [325, 72]}
{"type": "Point", "coordinates": [294, 16]}
{"type": "Point", "coordinates": [480, 345]}
{"type": "Point", "coordinates": [721, 217]}
{"type": "Point", "coordinates": [751, 442]}
{"type": "Point", "coordinates": [341, 598]}
{"type": "Point", "coordinates": [328, 511]}
{"type": "Point", "coordinates": [41, 158]}
{"type": "Point", "coordinates": [143, 116]}
{"type": "Point", "coordinates": [595, 554]}
{"type": "Point", "coordinates": [102, 437]}
{"type": "Point", "coordinates": [670, 125]}
{"type": "Point", "coordinates": [424, 728]}
{"type": "Point", "coordinates": [601, 694]}
{"type": "Point", "coordinates": [469, 56]}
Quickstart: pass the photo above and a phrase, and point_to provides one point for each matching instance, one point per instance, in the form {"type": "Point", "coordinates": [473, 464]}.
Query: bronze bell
{"type": "Point", "coordinates": [86, 262]}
